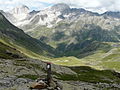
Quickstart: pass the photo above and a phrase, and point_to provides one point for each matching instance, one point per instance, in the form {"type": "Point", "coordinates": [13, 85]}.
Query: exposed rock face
{"type": "Point", "coordinates": [112, 14]}
{"type": "Point", "coordinates": [54, 15]}
{"type": "Point", "coordinates": [60, 7]}
{"type": "Point", "coordinates": [17, 72]}
{"type": "Point", "coordinates": [20, 10]}
{"type": "Point", "coordinates": [17, 14]}
{"type": "Point", "coordinates": [50, 17]}
{"type": "Point", "coordinates": [61, 12]}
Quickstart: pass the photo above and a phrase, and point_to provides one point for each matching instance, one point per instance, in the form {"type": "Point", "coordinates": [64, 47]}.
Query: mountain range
{"type": "Point", "coordinates": [69, 31]}
{"type": "Point", "coordinates": [88, 43]}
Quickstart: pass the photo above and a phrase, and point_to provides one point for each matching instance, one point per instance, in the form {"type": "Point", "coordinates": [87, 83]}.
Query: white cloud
{"type": "Point", "coordinates": [93, 5]}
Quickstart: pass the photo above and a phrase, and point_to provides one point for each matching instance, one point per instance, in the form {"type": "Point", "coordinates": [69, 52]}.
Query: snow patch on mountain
{"type": "Point", "coordinates": [20, 10]}
{"type": "Point", "coordinates": [19, 13]}
{"type": "Point", "coordinates": [48, 17]}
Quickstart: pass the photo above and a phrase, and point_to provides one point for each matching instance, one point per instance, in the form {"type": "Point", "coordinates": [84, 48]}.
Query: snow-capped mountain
{"type": "Point", "coordinates": [60, 7]}
{"type": "Point", "coordinates": [20, 13]}
{"type": "Point", "coordinates": [21, 16]}
{"type": "Point", "coordinates": [60, 13]}
{"type": "Point", "coordinates": [17, 14]}
{"type": "Point", "coordinates": [20, 10]}
{"type": "Point", "coordinates": [48, 17]}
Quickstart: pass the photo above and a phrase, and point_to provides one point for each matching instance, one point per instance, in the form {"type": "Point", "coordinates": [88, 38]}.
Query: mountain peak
{"type": "Point", "coordinates": [22, 9]}
{"type": "Point", "coordinates": [112, 14]}
{"type": "Point", "coordinates": [60, 7]}
{"type": "Point", "coordinates": [23, 6]}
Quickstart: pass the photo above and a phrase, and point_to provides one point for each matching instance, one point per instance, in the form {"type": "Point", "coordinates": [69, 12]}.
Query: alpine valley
{"type": "Point", "coordinates": [83, 46]}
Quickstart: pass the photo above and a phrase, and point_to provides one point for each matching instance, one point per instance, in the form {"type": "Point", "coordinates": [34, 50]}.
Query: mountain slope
{"type": "Point", "coordinates": [112, 14]}
{"type": "Point", "coordinates": [14, 37]}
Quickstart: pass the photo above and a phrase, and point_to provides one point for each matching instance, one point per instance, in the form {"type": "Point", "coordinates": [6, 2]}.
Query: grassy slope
{"type": "Point", "coordinates": [7, 45]}
{"type": "Point", "coordinates": [99, 59]}
{"type": "Point", "coordinates": [9, 52]}
{"type": "Point", "coordinates": [88, 74]}
{"type": "Point", "coordinates": [14, 37]}
{"type": "Point", "coordinates": [84, 73]}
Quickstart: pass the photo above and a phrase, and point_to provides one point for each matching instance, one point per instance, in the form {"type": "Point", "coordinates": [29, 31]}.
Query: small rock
{"type": "Point", "coordinates": [21, 81]}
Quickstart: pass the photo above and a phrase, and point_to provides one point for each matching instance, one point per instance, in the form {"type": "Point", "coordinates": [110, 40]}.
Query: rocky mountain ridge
{"type": "Point", "coordinates": [20, 10]}
{"type": "Point", "coordinates": [52, 15]}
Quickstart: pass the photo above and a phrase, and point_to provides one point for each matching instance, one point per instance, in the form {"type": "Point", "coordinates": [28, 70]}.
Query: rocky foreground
{"type": "Point", "coordinates": [19, 74]}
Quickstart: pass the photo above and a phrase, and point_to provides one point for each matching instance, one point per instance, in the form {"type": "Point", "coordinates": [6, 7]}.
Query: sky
{"type": "Point", "coordinates": [99, 6]}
